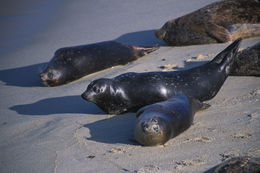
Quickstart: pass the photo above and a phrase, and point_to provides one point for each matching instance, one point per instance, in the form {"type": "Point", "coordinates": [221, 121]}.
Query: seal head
{"type": "Point", "coordinates": [52, 77]}
{"type": "Point", "coordinates": [97, 90]}
{"type": "Point", "coordinates": [153, 129]}
{"type": "Point", "coordinates": [108, 95]}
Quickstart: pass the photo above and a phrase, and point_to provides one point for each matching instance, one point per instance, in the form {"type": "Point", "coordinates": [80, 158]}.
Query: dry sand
{"type": "Point", "coordinates": [53, 130]}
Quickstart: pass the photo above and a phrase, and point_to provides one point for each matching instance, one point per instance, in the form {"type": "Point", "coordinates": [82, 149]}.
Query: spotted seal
{"type": "Point", "coordinates": [218, 22]}
{"type": "Point", "coordinates": [247, 62]}
{"type": "Point", "coordinates": [131, 91]}
{"type": "Point", "coordinates": [159, 122]}
{"type": "Point", "coordinates": [72, 63]}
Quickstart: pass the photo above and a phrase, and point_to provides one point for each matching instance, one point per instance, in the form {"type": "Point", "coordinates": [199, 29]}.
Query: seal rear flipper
{"type": "Point", "coordinates": [143, 50]}
{"type": "Point", "coordinates": [219, 33]}
{"type": "Point", "coordinates": [231, 49]}
{"type": "Point", "coordinates": [199, 106]}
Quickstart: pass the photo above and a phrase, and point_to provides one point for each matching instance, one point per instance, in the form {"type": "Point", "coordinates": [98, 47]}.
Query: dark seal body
{"type": "Point", "coordinates": [159, 122]}
{"type": "Point", "coordinates": [72, 63]}
{"type": "Point", "coordinates": [218, 22]}
{"type": "Point", "coordinates": [131, 91]}
{"type": "Point", "coordinates": [247, 62]}
{"type": "Point", "coordinates": [243, 164]}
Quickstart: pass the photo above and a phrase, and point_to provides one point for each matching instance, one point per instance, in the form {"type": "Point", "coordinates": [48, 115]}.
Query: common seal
{"type": "Point", "coordinates": [243, 164]}
{"type": "Point", "coordinates": [131, 91]}
{"type": "Point", "coordinates": [218, 22]}
{"type": "Point", "coordinates": [159, 122]}
{"type": "Point", "coordinates": [72, 63]}
{"type": "Point", "coordinates": [247, 62]}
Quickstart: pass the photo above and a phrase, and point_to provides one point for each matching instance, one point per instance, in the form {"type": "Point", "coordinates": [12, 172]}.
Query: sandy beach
{"type": "Point", "coordinates": [52, 129]}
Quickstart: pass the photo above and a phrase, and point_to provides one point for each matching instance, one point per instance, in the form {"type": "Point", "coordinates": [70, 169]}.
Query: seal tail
{"type": "Point", "coordinates": [226, 58]}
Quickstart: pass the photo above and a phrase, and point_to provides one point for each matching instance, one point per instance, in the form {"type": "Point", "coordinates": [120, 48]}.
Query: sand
{"type": "Point", "coordinates": [53, 130]}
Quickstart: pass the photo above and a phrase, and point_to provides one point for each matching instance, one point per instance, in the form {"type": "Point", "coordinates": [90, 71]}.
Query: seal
{"type": "Point", "coordinates": [218, 22]}
{"type": "Point", "coordinates": [72, 63]}
{"type": "Point", "coordinates": [130, 91]}
{"type": "Point", "coordinates": [159, 122]}
{"type": "Point", "coordinates": [247, 62]}
{"type": "Point", "coordinates": [242, 164]}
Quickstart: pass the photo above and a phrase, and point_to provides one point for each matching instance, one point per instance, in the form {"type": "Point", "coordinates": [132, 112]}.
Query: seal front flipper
{"type": "Point", "coordinates": [219, 33]}
{"type": "Point", "coordinates": [198, 105]}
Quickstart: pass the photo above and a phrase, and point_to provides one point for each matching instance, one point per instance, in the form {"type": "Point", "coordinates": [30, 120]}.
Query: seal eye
{"type": "Point", "coordinates": [154, 120]}
{"type": "Point", "coordinates": [97, 90]}
{"type": "Point", "coordinates": [50, 75]}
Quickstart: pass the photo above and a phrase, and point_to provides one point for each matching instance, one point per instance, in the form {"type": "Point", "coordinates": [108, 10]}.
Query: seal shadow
{"type": "Point", "coordinates": [192, 64]}
{"type": "Point", "coordinates": [27, 76]}
{"type": "Point", "coordinates": [144, 38]}
{"type": "Point", "coordinates": [58, 105]}
{"type": "Point", "coordinates": [117, 129]}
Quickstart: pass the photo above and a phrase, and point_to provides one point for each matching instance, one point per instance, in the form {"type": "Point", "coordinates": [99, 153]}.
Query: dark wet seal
{"type": "Point", "coordinates": [72, 63]}
{"type": "Point", "coordinates": [218, 22]}
{"type": "Point", "coordinates": [130, 91]}
{"type": "Point", "coordinates": [159, 122]}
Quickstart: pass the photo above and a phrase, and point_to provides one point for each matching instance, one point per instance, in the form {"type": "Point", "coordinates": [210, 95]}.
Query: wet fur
{"type": "Point", "coordinates": [219, 22]}
{"type": "Point", "coordinates": [131, 91]}
{"type": "Point", "coordinates": [72, 63]}
{"type": "Point", "coordinates": [159, 122]}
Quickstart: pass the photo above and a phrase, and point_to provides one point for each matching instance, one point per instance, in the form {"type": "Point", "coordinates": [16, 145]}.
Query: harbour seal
{"type": "Point", "coordinates": [244, 164]}
{"type": "Point", "coordinates": [72, 63]}
{"type": "Point", "coordinates": [159, 122]}
{"type": "Point", "coordinates": [247, 62]}
{"type": "Point", "coordinates": [218, 22]}
{"type": "Point", "coordinates": [131, 91]}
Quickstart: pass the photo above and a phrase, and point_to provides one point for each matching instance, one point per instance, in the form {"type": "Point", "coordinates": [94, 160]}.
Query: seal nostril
{"type": "Point", "coordinates": [43, 76]}
{"type": "Point", "coordinates": [84, 96]}
{"type": "Point", "coordinates": [156, 129]}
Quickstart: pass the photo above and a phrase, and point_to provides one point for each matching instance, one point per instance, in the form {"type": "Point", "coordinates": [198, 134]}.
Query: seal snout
{"type": "Point", "coordinates": [86, 96]}
{"type": "Point", "coordinates": [160, 34]}
{"type": "Point", "coordinates": [150, 127]}
{"type": "Point", "coordinates": [43, 76]}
